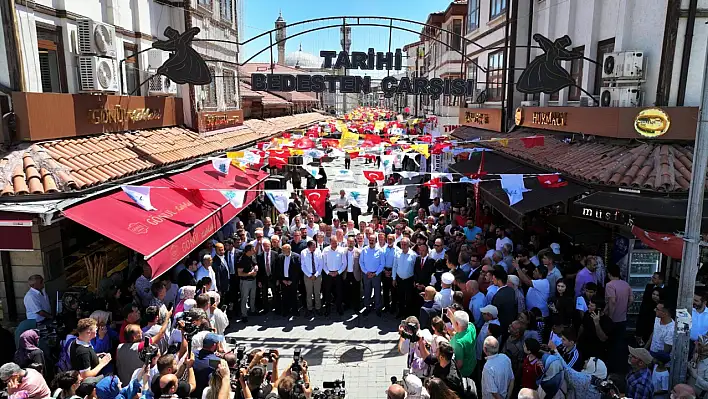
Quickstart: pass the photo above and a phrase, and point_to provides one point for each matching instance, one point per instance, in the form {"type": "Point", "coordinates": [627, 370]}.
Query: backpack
{"type": "Point", "coordinates": [64, 363]}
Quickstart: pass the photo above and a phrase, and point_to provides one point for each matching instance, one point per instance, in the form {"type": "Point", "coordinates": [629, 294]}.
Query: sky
{"type": "Point", "coordinates": [260, 16]}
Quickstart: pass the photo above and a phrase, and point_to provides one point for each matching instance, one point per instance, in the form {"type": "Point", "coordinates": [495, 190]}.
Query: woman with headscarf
{"type": "Point", "coordinates": [28, 352]}
{"type": "Point", "coordinates": [698, 367]}
{"type": "Point", "coordinates": [580, 384]}
{"type": "Point", "coordinates": [186, 292]}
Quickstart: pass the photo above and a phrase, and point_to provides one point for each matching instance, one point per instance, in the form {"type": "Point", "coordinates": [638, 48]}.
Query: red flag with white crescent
{"type": "Point", "coordinates": [373, 175]}
{"type": "Point", "coordinates": [668, 244]}
{"type": "Point", "coordinates": [317, 198]}
{"type": "Point", "coordinates": [278, 158]}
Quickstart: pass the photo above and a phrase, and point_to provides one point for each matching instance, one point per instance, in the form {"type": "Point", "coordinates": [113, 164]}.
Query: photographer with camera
{"type": "Point", "coordinates": [167, 364]}
{"type": "Point", "coordinates": [257, 372]}
{"type": "Point", "coordinates": [137, 352]}
{"type": "Point", "coordinates": [205, 361]}
{"type": "Point", "coordinates": [410, 334]}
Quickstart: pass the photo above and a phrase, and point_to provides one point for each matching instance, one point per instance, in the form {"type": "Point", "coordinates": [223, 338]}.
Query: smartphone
{"type": "Point", "coordinates": [169, 306]}
{"type": "Point", "coordinates": [214, 363]}
{"type": "Point", "coordinates": [270, 355]}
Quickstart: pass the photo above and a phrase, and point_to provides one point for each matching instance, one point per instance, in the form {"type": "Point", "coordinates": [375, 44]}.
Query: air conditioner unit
{"type": "Point", "coordinates": [633, 66]}
{"type": "Point", "coordinates": [609, 97]}
{"type": "Point", "coordinates": [587, 101]}
{"type": "Point", "coordinates": [98, 74]}
{"type": "Point", "coordinates": [613, 65]}
{"type": "Point", "coordinates": [161, 85]}
{"type": "Point", "coordinates": [96, 38]}
{"type": "Point", "coordinates": [629, 96]}
{"type": "Point", "coordinates": [532, 103]}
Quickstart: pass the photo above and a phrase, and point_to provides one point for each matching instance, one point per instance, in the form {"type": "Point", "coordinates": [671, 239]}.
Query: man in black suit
{"type": "Point", "coordinates": [289, 275]}
{"type": "Point", "coordinates": [186, 276]}
{"type": "Point", "coordinates": [267, 277]}
{"type": "Point", "coordinates": [221, 269]}
{"type": "Point", "coordinates": [422, 272]}
{"type": "Point", "coordinates": [232, 255]}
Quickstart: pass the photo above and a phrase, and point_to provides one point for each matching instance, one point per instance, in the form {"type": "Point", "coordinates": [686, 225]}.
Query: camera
{"type": "Point", "coordinates": [148, 353]}
{"type": "Point", "coordinates": [606, 387]}
{"type": "Point", "coordinates": [190, 329]}
{"type": "Point", "coordinates": [409, 331]}
{"type": "Point", "coordinates": [332, 390]}
{"type": "Point", "coordinates": [297, 361]}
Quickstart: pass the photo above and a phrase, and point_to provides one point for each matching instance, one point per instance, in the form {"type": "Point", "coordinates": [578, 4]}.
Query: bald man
{"type": "Point", "coordinates": [395, 391]}
{"type": "Point", "coordinates": [683, 391]}
{"type": "Point", "coordinates": [527, 393]}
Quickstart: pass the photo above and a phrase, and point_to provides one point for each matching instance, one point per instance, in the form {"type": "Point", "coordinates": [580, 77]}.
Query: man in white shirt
{"type": "Point", "coordinates": [497, 375]}
{"type": "Point", "coordinates": [312, 266]}
{"type": "Point", "coordinates": [36, 300]}
{"type": "Point", "coordinates": [341, 205]}
{"type": "Point", "coordinates": [351, 228]}
{"type": "Point", "coordinates": [334, 266]}
{"type": "Point", "coordinates": [205, 270]}
{"type": "Point", "coordinates": [436, 207]}
{"type": "Point", "coordinates": [268, 230]}
{"type": "Point", "coordinates": [312, 227]}
{"type": "Point", "coordinates": [403, 266]}
{"type": "Point", "coordinates": [699, 316]}
{"type": "Point", "coordinates": [439, 249]}
{"type": "Point", "coordinates": [502, 239]}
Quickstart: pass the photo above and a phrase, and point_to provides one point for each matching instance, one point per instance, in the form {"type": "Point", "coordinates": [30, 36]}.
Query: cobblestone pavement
{"type": "Point", "coordinates": [362, 349]}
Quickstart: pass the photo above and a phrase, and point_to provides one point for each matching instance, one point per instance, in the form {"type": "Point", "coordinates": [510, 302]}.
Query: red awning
{"type": "Point", "coordinates": [183, 220]}
{"type": "Point", "coordinates": [15, 232]}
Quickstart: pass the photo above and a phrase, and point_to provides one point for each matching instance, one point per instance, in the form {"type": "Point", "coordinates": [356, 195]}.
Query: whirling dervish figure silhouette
{"type": "Point", "coordinates": [185, 65]}
{"type": "Point", "coordinates": [545, 73]}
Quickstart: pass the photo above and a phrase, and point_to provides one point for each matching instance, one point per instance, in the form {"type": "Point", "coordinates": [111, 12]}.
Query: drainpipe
{"type": "Point", "coordinates": [686, 55]}
{"type": "Point", "coordinates": [192, 94]}
{"type": "Point", "coordinates": [529, 34]}
{"type": "Point", "coordinates": [512, 62]}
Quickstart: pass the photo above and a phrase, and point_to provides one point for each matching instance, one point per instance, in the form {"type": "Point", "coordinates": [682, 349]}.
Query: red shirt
{"type": "Point", "coordinates": [532, 371]}
{"type": "Point", "coordinates": [121, 332]}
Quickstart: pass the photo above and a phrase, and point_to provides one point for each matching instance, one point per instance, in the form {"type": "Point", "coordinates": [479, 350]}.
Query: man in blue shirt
{"type": "Point", "coordinates": [388, 255]}
{"type": "Point", "coordinates": [403, 266]}
{"type": "Point", "coordinates": [371, 263]}
{"type": "Point", "coordinates": [477, 302]}
{"type": "Point", "coordinates": [202, 370]}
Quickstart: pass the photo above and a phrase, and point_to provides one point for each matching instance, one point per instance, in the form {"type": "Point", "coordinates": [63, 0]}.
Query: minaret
{"type": "Point", "coordinates": [280, 35]}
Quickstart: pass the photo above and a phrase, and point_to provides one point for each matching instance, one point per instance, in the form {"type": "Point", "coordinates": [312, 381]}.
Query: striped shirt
{"type": "Point", "coordinates": [572, 357]}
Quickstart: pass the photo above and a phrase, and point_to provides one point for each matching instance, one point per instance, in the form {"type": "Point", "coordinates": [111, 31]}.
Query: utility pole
{"type": "Point", "coordinates": [692, 237]}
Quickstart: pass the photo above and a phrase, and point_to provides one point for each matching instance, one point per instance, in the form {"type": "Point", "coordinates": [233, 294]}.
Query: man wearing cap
{"type": "Point", "coordinates": [443, 298]}
{"type": "Point", "coordinates": [17, 379]}
{"type": "Point", "coordinates": [489, 315]}
{"type": "Point", "coordinates": [639, 385]}
{"type": "Point", "coordinates": [202, 370]}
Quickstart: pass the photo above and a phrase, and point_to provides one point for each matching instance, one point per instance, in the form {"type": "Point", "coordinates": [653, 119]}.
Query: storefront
{"type": "Point", "coordinates": [635, 166]}
{"type": "Point", "coordinates": [62, 206]}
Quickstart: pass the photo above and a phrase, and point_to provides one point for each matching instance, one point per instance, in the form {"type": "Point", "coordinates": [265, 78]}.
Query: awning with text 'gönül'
{"type": "Point", "coordinates": [183, 220]}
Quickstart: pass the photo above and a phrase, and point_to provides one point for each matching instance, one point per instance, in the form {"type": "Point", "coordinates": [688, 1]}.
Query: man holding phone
{"type": "Point", "coordinates": [128, 354]}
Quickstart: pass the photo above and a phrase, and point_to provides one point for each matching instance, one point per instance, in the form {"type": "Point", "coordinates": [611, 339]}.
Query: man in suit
{"type": "Point", "coordinates": [221, 269]}
{"type": "Point", "coordinates": [232, 256]}
{"type": "Point", "coordinates": [352, 275]}
{"type": "Point", "coordinates": [289, 274]}
{"type": "Point", "coordinates": [186, 276]}
{"type": "Point", "coordinates": [424, 269]}
{"type": "Point", "coordinates": [267, 278]}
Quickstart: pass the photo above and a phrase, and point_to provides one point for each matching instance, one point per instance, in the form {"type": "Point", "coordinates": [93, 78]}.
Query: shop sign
{"type": "Point", "coordinates": [483, 118]}
{"type": "Point", "coordinates": [210, 121]}
{"type": "Point", "coordinates": [550, 118]}
{"type": "Point", "coordinates": [370, 60]}
{"type": "Point", "coordinates": [601, 215]}
{"type": "Point", "coordinates": [120, 115]}
{"type": "Point", "coordinates": [652, 122]}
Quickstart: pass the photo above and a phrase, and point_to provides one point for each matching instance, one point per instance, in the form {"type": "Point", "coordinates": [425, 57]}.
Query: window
{"type": "Point", "coordinates": [456, 41]}
{"type": "Point", "coordinates": [210, 91]}
{"type": "Point", "coordinates": [204, 3]}
{"type": "Point", "coordinates": [472, 15]}
{"type": "Point", "coordinates": [603, 47]}
{"type": "Point", "coordinates": [472, 75]}
{"type": "Point", "coordinates": [230, 88]}
{"type": "Point", "coordinates": [495, 73]}
{"type": "Point", "coordinates": [496, 8]}
{"type": "Point", "coordinates": [51, 60]}
{"type": "Point", "coordinates": [132, 69]}
{"type": "Point", "coordinates": [576, 72]}
{"type": "Point", "coordinates": [227, 10]}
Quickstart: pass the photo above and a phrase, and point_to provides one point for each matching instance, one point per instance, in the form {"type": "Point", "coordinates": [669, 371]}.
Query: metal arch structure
{"type": "Point", "coordinates": [342, 21]}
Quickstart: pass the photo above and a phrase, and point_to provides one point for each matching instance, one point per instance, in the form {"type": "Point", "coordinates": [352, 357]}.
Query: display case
{"type": "Point", "coordinates": [643, 262]}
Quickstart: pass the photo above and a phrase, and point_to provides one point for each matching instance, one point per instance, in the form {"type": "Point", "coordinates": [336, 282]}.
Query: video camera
{"type": "Point", "coordinates": [332, 390]}
{"type": "Point", "coordinates": [409, 331]}
{"type": "Point", "coordinates": [190, 329]}
{"type": "Point", "coordinates": [149, 352]}
{"type": "Point", "coordinates": [606, 387]}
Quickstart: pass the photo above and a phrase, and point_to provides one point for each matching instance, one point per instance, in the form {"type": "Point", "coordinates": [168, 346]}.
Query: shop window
{"type": "Point", "coordinates": [496, 8]}
{"type": "Point", "coordinates": [51, 60]}
{"type": "Point", "coordinates": [472, 15]}
{"type": "Point", "coordinates": [495, 73]}
{"type": "Point", "coordinates": [210, 91]}
{"type": "Point", "coordinates": [576, 72]}
{"type": "Point", "coordinates": [603, 47]}
{"type": "Point", "coordinates": [132, 69]}
{"type": "Point", "coordinates": [456, 41]}
{"type": "Point", "coordinates": [229, 79]}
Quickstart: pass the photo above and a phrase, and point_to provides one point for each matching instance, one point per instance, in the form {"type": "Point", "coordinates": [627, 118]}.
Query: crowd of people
{"type": "Point", "coordinates": [487, 311]}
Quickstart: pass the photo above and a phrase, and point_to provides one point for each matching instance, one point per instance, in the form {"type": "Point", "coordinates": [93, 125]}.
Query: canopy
{"type": "Point", "coordinates": [185, 216]}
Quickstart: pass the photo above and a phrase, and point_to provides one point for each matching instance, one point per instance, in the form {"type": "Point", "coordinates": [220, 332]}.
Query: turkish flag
{"type": "Point", "coordinates": [438, 148]}
{"type": "Point", "coordinates": [426, 139]}
{"type": "Point", "coordinates": [434, 183]}
{"type": "Point", "coordinates": [261, 157]}
{"type": "Point", "coordinates": [278, 158]}
{"type": "Point", "coordinates": [533, 141]}
{"type": "Point", "coordinates": [317, 198]}
{"type": "Point", "coordinates": [304, 143]}
{"type": "Point", "coordinates": [551, 181]}
{"type": "Point", "coordinates": [371, 140]}
{"type": "Point", "coordinates": [327, 143]}
{"type": "Point", "coordinates": [311, 135]}
{"type": "Point", "coordinates": [667, 244]}
{"type": "Point", "coordinates": [374, 175]}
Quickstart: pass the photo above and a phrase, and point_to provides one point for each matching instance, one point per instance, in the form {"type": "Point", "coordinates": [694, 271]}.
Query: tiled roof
{"type": "Point", "coordinates": [246, 91]}
{"type": "Point", "coordinates": [646, 166]}
{"type": "Point", "coordinates": [295, 96]}
{"type": "Point", "coordinates": [71, 164]}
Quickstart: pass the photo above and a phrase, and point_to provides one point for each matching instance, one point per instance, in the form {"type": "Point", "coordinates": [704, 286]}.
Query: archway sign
{"type": "Point", "coordinates": [370, 60]}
